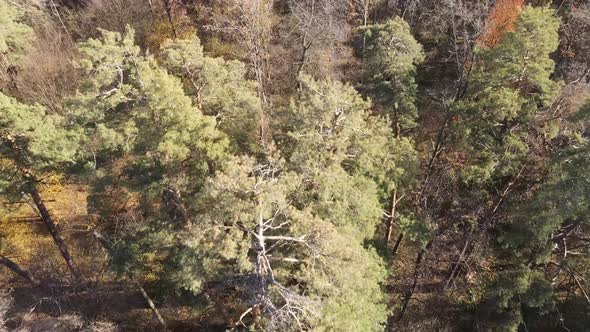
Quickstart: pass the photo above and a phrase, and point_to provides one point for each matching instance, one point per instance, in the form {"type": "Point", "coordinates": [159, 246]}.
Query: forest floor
{"type": "Point", "coordinates": [98, 295]}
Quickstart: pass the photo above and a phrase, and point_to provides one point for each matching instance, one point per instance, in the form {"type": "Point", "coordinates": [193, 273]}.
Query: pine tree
{"type": "Point", "coordinates": [219, 89]}
{"type": "Point", "coordinates": [536, 250]}
{"type": "Point", "coordinates": [152, 149]}
{"type": "Point", "coordinates": [15, 36]}
{"type": "Point", "coordinates": [511, 85]}
{"type": "Point", "coordinates": [286, 268]}
{"type": "Point", "coordinates": [358, 162]}
{"type": "Point", "coordinates": [34, 145]}
{"type": "Point", "coordinates": [392, 54]}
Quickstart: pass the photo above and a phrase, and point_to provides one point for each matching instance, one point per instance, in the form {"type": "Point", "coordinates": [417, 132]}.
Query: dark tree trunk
{"type": "Point", "coordinates": [412, 289]}
{"type": "Point", "coordinates": [42, 209]}
{"type": "Point", "coordinates": [168, 9]}
{"type": "Point", "coordinates": [396, 245]}
{"type": "Point", "coordinates": [63, 249]}
{"type": "Point", "coordinates": [14, 267]}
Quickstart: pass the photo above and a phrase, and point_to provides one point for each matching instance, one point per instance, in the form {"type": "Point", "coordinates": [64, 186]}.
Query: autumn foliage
{"type": "Point", "coordinates": [501, 19]}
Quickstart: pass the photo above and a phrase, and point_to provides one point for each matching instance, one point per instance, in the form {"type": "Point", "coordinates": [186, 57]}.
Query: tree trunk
{"type": "Point", "coordinates": [435, 153]}
{"type": "Point", "coordinates": [168, 9]}
{"type": "Point", "coordinates": [417, 266]}
{"type": "Point", "coordinates": [152, 305]}
{"type": "Point", "coordinates": [18, 270]}
{"type": "Point", "coordinates": [457, 265]}
{"type": "Point", "coordinates": [152, 7]}
{"type": "Point", "coordinates": [397, 243]}
{"type": "Point", "coordinates": [392, 216]}
{"type": "Point", "coordinates": [365, 21]}
{"type": "Point", "coordinates": [412, 289]}
{"type": "Point", "coordinates": [63, 249]}
{"type": "Point", "coordinates": [44, 213]}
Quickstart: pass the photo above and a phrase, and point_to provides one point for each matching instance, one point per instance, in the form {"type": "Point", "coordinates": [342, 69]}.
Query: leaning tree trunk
{"type": "Point", "coordinates": [21, 162]}
{"type": "Point", "coordinates": [14, 267]}
{"type": "Point", "coordinates": [108, 247]}
{"type": "Point", "coordinates": [151, 304]}
{"type": "Point", "coordinates": [412, 289]}
{"type": "Point", "coordinates": [63, 249]}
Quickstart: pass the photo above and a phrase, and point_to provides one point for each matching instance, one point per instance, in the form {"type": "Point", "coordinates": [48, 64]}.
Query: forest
{"type": "Point", "coordinates": [294, 165]}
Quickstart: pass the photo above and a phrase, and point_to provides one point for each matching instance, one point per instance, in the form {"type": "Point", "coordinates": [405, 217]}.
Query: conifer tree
{"type": "Point", "coordinates": [15, 36]}
{"type": "Point", "coordinates": [536, 250]}
{"type": "Point", "coordinates": [151, 148]}
{"type": "Point", "coordinates": [34, 145]}
{"type": "Point", "coordinates": [219, 89]}
{"type": "Point", "coordinates": [15, 40]}
{"type": "Point", "coordinates": [287, 269]}
{"type": "Point", "coordinates": [358, 161]}
{"type": "Point", "coordinates": [510, 87]}
{"type": "Point", "coordinates": [392, 54]}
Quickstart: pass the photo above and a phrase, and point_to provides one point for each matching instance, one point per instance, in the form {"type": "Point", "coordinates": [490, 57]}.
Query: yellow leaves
{"type": "Point", "coordinates": [163, 30]}
{"type": "Point", "coordinates": [153, 264]}
{"type": "Point", "coordinates": [53, 184]}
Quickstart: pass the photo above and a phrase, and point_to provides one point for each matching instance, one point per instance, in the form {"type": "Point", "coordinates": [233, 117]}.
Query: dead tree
{"type": "Point", "coordinates": [265, 289]}
{"type": "Point", "coordinates": [251, 22]}
{"type": "Point", "coordinates": [318, 23]}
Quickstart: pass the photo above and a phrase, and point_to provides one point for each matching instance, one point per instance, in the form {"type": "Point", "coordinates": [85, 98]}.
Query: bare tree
{"type": "Point", "coordinates": [317, 23]}
{"type": "Point", "coordinates": [168, 6]}
{"type": "Point", "coordinates": [575, 45]}
{"type": "Point", "coordinates": [292, 308]}
{"type": "Point", "coordinates": [364, 8]}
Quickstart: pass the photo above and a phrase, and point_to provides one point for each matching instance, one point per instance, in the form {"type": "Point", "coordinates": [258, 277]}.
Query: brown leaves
{"type": "Point", "coordinates": [501, 20]}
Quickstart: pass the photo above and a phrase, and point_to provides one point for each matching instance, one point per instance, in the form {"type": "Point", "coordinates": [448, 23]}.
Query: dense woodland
{"type": "Point", "coordinates": [294, 165]}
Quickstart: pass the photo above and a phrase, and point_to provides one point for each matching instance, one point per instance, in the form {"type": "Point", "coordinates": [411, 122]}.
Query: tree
{"type": "Point", "coordinates": [284, 266]}
{"type": "Point", "coordinates": [319, 25]}
{"type": "Point", "coordinates": [358, 161]}
{"type": "Point", "coordinates": [14, 267]}
{"type": "Point", "coordinates": [15, 36]}
{"type": "Point", "coordinates": [15, 39]}
{"type": "Point", "coordinates": [35, 144]}
{"type": "Point", "coordinates": [251, 24]}
{"type": "Point", "coordinates": [392, 56]}
{"type": "Point", "coordinates": [511, 85]}
{"type": "Point", "coordinates": [501, 20]}
{"type": "Point", "coordinates": [151, 149]}
{"type": "Point", "coordinates": [198, 197]}
{"type": "Point", "coordinates": [536, 249]}
{"type": "Point", "coordinates": [490, 155]}
{"type": "Point", "coordinates": [219, 89]}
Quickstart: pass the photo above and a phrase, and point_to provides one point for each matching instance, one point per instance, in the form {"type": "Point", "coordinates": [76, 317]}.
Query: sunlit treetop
{"type": "Point", "coordinates": [15, 36]}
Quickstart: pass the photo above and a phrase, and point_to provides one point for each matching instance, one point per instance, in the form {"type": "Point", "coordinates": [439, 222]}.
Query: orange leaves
{"type": "Point", "coordinates": [501, 20]}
